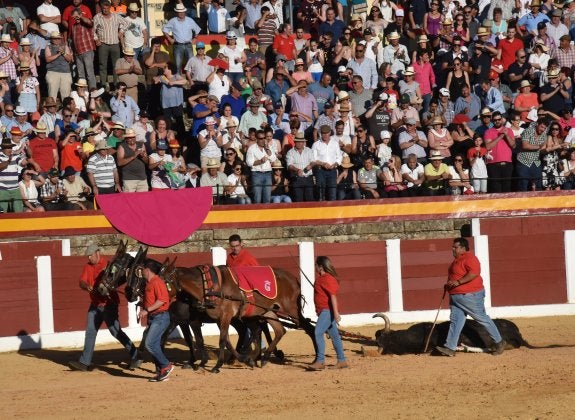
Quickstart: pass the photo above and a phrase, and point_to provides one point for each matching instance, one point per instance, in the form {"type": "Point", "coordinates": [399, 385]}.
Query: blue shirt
{"type": "Point", "coordinates": [213, 25]}
{"type": "Point", "coordinates": [171, 96]}
{"type": "Point", "coordinates": [530, 22]}
{"type": "Point", "coordinates": [238, 105]}
{"type": "Point", "coordinates": [182, 30]}
{"type": "Point", "coordinates": [367, 70]}
{"type": "Point", "coordinates": [322, 95]}
{"type": "Point", "coordinates": [336, 28]}
{"type": "Point", "coordinates": [275, 91]}
{"type": "Point", "coordinates": [124, 110]}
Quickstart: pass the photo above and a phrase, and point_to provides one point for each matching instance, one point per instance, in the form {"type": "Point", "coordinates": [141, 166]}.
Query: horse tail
{"type": "Point", "coordinates": [306, 323]}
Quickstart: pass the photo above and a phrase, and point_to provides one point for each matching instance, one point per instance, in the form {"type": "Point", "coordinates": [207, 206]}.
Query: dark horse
{"type": "Point", "coordinates": [215, 289]}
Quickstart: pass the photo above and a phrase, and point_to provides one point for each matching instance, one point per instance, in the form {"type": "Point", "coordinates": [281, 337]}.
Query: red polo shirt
{"type": "Point", "coordinates": [465, 263]}
{"type": "Point", "coordinates": [324, 287]}
{"type": "Point", "coordinates": [284, 45]}
{"type": "Point", "coordinates": [91, 275]}
{"type": "Point", "coordinates": [156, 290]}
{"type": "Point", "coordinates": [244, 258]}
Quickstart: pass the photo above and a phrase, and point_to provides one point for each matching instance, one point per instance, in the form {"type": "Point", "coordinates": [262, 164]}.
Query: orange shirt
{"type": "Point", "coordinates": [156, 290]}
{"type": "Point", "coordinates": [528, 100]}
{"type": "Point", "coordinates": [92, 275]}
{"type": "Point", "coordinates": [244, 258]}
{"type": "Point", "coordinates": [465, 263]}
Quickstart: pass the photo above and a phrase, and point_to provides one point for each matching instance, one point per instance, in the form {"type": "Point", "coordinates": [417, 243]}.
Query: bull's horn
{"type": "Point", "coordinates": [385, 318]}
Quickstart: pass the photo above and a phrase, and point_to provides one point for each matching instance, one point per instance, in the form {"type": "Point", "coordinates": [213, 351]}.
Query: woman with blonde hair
{"type": "Point", "coordinates": [326, 286]}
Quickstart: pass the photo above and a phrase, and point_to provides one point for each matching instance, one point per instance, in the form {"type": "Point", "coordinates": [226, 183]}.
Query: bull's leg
{"type": "Point", "coordinates": [197, 330]}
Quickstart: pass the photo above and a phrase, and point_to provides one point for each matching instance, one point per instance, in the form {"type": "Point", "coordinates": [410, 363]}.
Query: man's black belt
{"type": "Point", "coordinates": [182, 43]}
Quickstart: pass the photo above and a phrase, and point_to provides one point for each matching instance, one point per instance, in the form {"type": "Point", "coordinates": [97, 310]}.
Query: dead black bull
{"type": "Point", "coordinates": [412, 340]}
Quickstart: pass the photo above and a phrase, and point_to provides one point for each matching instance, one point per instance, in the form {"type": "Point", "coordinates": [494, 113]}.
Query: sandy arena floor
{"type": "Point", "coordinates": [520, 384]}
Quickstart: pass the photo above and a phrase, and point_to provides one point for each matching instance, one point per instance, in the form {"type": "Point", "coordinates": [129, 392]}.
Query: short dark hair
{"type": "Point", "coordinates": [464, 243]}
{"type": "Point", "coordinates": [235, 237]}
{"type": "Point", "coordinates": [153, 266]}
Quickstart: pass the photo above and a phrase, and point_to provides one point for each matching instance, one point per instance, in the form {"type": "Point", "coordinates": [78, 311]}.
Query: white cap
{"type": "Point", "coordinates": [341, 68]}
{"type": "Point", "coordinates": [444, 92]}
{"type": "Point", "coordinates": [383, 97]}
{"type": "Point", "coordinates": [399, 12]}
{"type": "Point", "coordinates": [385, 134]}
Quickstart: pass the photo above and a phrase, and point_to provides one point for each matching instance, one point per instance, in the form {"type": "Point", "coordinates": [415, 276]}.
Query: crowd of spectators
{"type": "Point", "coordinates": [356, 100]}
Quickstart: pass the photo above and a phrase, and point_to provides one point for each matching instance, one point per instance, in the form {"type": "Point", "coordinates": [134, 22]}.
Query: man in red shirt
{"type": "Point", "coordinates": [155, 307]}
{"type": "Point", "coordinates": [284, 45]}
{"type": "Point", "coordinates": [238, 255]}
{"type": "Point", "coordinates": [44, 149]}
{"type": "Point", "coordinates": [102, 309]}
{"type": "Point", "coordinates": [466, 297]}
{"type": "Point", "coordinates": [508, 47]}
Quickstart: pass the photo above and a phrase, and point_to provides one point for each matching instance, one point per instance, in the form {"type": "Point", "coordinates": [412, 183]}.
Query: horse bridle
{"type": "Point", "coordinates": [114, 269]}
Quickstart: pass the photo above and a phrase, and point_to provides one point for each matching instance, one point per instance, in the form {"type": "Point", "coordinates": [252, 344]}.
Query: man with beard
{"type": "Point", "coordinates": [500, 142]}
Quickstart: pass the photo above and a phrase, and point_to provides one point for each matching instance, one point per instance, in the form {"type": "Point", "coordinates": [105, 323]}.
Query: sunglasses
{"type": "Point", "coordinates": [497, 119]}
{"type": "Point", "coordinates": [458, 160]}
{"type": "Point", "coordinates": [237, 169]}
{"type": "Point", "coordinates": [67, 115]}
{"type": "Point", "coordinates": [230, 154]}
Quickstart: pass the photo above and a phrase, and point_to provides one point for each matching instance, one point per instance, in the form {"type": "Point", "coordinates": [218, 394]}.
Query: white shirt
{"type": "Point", "coordinates": [49, 10]}
{"type": "Point", "coordinates": [256, 153]}
{"type": "Point", "coordinates": [414, 173]}
{"type": "Point", "coordinates": [134, 33]}
{"type": "Point", "coordinates": [232, 55]}
{"type": "Point", "coordinates": [329, 152]}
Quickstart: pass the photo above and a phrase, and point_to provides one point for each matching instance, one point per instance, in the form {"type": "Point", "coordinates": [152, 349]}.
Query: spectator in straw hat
{"type": "Point", "coordinates": [28, 89]}
{"type": "Point", "coordinates": [102, 171]}
{"type": "Point", "coordinates": [300, 162]}
{"type": "Point", "coordinates": [136, 33]}
{"type": "Point", "coordinates": [50, 114]}
{"type": "Point", "coordinates": [81, 95]}
{"type": "Point", "coordinates": [215, 179]}
{"type": "Point", "coordinates": [127, 69]}
{"type": "Point", "coordinates": [28, 55]}
{"type": "Point", "coordinates": [125, 108]}
{"type": "Point", "coordinates": [8, 65]}
{"type": "Point", "coordinates": [180, 30]}
{"type": "Point", "coordinates": [58, 60]}
{"type": "Point", "coordinates": [44, 149]}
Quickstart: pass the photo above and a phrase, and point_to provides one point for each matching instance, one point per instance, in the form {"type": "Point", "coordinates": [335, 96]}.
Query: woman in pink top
{"type": "Point", "coordinates": [425, 76]}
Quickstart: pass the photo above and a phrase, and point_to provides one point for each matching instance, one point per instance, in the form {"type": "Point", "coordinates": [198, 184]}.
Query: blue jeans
{"type": "Point", "coordinates": [326, 181]}
{"type": "Point", "coordinates": [109, 315]}
{"type": "Point", "coordinates": [262, 187]}
{"type": "Point", "coordinates": [157, 325]}
{"type": "Point", "coordinates": [529, 174]}
{"type": "Point", "coordinates": [326, 322]}
{"type": "Point", "coordinates": [281, 199]}
{"type": "Point", "coordinates": [471, 304]}
{"type": "Point", "coordinates": [182, 53]}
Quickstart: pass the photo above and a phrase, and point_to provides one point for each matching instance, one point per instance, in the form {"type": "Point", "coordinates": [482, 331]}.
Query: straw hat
{"type": "Point", "coordinates": [24, 42]}
{"type": "Point", "coordinates": [447, 22]}
{"type": "Point", "coordinates": [129, 51]}
{"type": "Point", "coordinates": [541, 43]}
{"type": "Point", "coordinates": [409, 71]}
{"type": "Point", "coordinates": [437, 120]}
{"type": "Point", "coordinates": [299, 136]}
{"type": "Point", "coordinates": [213, 164]}
{"type": "Point", "coordinates": [5, 38]}
{"type": "Point", "coordinates": [346, 162]}
{"type": "Point", "coordinates": [551, 74]}
{"type": "Point", "coordinates": [180, 8]}
{"type": "Point", "coordinates": [342, 96]}
{"type": "Point", "coordinates": [174, 144]}
{"type": "Point", "coordinates": [53, 35]}
{"type": "Point", "coordinates": [41, 128]}
{"type": "Point", "coordinates": [133, 7]}
{"type": "Point", "coordinates": [103, 145]}
{"type": "Point", "coordinates": [129, 133]}
{"type": "Point", "coordinates": [82, 83]}
{"type": "Point", "coordinates": [393, 35]}
{"type": "Point", "coordinates": [276, 164]}
{"type": "Point", "coordinates": [118, 125]}
{"type": "Point", "coordinates": [423, 38]}
{"type": "Point", "coordinates": [435, 155]}
{"type": "Point", "coordinates": [525, 83]}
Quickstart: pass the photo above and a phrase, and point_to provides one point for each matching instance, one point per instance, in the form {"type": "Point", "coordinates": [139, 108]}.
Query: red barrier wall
{"type": "Point", "coordinates": [19, 298]}
{"type": "Point", "coordinates": [29, 250]}
{"type": "Point", "coordinates": [513, 226]}
{"type": "Point", "coordinates": [527, 270]}
{"type": "Point", "coordinates": [424, 267]}
{"type": "Point", "coordinates": [362, 269]}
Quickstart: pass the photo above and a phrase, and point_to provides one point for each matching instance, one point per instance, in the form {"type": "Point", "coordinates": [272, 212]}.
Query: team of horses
{"type": "Point", "coordinates": [207, 293]}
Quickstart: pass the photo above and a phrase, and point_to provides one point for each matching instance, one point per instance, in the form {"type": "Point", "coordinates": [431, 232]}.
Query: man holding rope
{"type": "Point", "coordinates": [466, 297]}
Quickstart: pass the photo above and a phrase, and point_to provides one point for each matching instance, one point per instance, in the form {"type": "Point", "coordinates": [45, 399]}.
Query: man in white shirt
{"type": "Point", "coordinates": [327, 157]}
{"type": "Point", "coordinates": [556, 29]}
{"type": "Point", "coordinates": [259, 158]}
{"type": "Point", "coordinates": [49, 16]}
{"type": "Point", "coordinates": [300, 162]}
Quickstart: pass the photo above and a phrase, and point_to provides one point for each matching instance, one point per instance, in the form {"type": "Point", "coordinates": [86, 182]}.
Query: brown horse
{"type": "Point", "coordinates": [215, 289]}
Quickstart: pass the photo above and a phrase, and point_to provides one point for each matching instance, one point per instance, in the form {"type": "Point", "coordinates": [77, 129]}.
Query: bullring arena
{"type": "Point", "coordinates": [392, 263]}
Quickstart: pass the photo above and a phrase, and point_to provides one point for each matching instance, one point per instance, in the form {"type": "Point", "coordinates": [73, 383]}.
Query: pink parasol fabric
{"type": "Point", "coordinates": [158, 218]}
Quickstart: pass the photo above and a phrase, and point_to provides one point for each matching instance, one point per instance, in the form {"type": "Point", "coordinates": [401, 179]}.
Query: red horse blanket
{"type": "Point", "coordinates": [260, 279]}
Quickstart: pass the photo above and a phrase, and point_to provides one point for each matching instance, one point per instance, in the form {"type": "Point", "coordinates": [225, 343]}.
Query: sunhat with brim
{"type": "Point", "coordinates": [525, 83]}
{"type": "Point", "coordinates": [6, 144]}
{"type": "Point", "coordinates": [344, 108]}
{"type": "Point", "coordinates": [82, 83]}
{"type": "Point", "coordinates": [423, 38]}
{"type": "Point", "coordinates": [55, 35]}
{"type": "Point", "coordinates": [393, 35]}
{"type": "Point", "coordinates": [437, 120]}
{"type": "Point", "coordinates": [5, 38]}
{"type": "Point", "coordinates": [213, 164]}
{"type": "Point", "coordinates": [20, 111]}
{"type": "Point", "coordinates": [409, 71]}
{"type": "Point", "coordinates": [129, 51]}
{"type": "Point", "coordinates": [24, 66]}
{"type": "Point", "coordinates": [346, 162]}
{"type": "Point", "coordinates": [540, 43]}
{"type": "Point", "coordinates": [535, 3]}
{"type": "Point", "coordinates": [210, 121]}
{"type": "Point", "coordinates": [118, 126]}
{"type": "Point", "coordinates": [180, 8]}
{"type": "Point", "coordinates": [435, 155]}
{"type": "Point", "coordinates": [103, 145]}
{"type": "Point", "coordinates": [299, 137]}
{"type": "Point", "coordinates": [133, 7]}
{"type": "Point", "coordinates": [174, 144]}
{"type": "Point", "coordinates": [551, 74]}
{"type": "Point", "coordinates": [254, 102]}
{"type": "Point", "coordinates": [41, 128]}
{"type": "Point", "coordinates": [129, 133]}
{"type": "Point", "coordinates": [49, 101]}
{"type": "Point", "coordinates": [3, 75]}
{"type": "Point", "coordinates": [15, 131]}
{"type": "Point", "coordinates": [24, 42]}
{"type": "Point", "coordinates": [342, 96]}
{"type": "Point", "coordinates": [90, 249]}
{"type": "Point", "coordinates": [89, 133]}
{"type": "Point", "coordinates": [447, 22]}
{"type": "Point", "coordinates": [231, 124]}
{"type": "Point", "coordinates": [277, 164]}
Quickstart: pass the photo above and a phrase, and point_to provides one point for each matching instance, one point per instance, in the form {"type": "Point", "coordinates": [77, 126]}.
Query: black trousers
{"type": "Point", "coordinates": [499, 177]}
{"type": "Point", "coordinates": [302, 188]}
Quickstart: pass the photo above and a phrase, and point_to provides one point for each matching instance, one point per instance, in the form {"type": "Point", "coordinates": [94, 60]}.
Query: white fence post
{"type": "Point", "coordinates": [307, 276]}
{"type": "Point", "coordinates": [394, 283]}
{"type": "Point", "coordinates": [45, 302]}
{"type": "Point", "coordinates": [482, 254]}
{"type": "Point", "coordinates": [569, 240]}
{"type": "Point", "coordinates": [66, 248]}
{"type": "Point", "coordinates": [219, 255]}
{"type": "Point", "coordinates": [475, 226]}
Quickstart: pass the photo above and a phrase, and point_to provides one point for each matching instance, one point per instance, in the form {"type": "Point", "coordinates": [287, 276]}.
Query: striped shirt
{"type": "Point", "coordinates": [300, 159]}
{"type": "Point", "coordinates": [8, 67]}
{"type": "Point", "coordinates": [9, 176]}
{"type": "Point", "coordinates": [49, 189]}
{"type": "Point", "coordinates": [107, 29]}
{"type": "Point", "coordinates": [103, 169]}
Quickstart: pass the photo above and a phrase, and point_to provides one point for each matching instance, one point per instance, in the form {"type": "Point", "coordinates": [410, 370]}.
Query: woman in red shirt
{"type": "Point", "coordinates": [326, 306]}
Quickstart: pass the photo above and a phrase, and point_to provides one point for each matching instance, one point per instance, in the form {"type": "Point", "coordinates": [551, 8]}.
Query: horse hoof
{"type": "Point", "coordinates": [189, 366]}
{"type": "Point", "coordinates": [250, 362]}
{"type": "Point", "coordinates": [280, 355]}
{"type": "Point", "coordinates": [215, 370]}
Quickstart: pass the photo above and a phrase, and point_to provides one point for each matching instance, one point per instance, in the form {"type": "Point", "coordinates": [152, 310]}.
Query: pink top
{"type": "Point", "coordinates": [501, 152]}
{"type": "Point", "coordinates": [425, 76]}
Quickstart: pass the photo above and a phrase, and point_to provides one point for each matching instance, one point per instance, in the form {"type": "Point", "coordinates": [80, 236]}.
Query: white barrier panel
{"type": "Point", "coordinates": [482, 254]}
{"type": "Point", "coordinates": [219, 255]}
{"type": "Point", "coordinates": [45, 304]}
{"type": "Point", "coordinates": [307, 276]}
{"type": "Point", "coordinates": [569, 239]}
{"type": "Point", "coordinates": [394, 282]}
